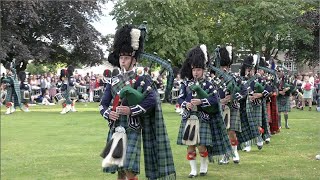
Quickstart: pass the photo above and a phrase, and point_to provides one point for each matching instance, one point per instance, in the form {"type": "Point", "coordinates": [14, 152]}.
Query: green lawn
{"type": "Point", "coordinates": [45, 145]}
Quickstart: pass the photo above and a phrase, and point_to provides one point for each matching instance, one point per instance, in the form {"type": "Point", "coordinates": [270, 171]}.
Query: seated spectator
{"type": "Point", "coordinates": [46, 99]}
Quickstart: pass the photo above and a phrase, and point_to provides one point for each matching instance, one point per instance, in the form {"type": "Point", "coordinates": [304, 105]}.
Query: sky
{"type": "Point", "coordinates": [106, 25]}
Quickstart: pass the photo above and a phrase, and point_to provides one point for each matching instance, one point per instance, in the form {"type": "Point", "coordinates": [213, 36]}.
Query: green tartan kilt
{"type": "Point", "coordinates": [12, 96]}
{"type": "Point", "coordinates": [249, 127]}
{"type": "Point", "coordinates": [204, 132]}
{"type": "Point", "coordinates": [283, 103]}
{"type": "Point", "coordinates": [65, 94]}
{"type": "Point", "coordinates": [265, 123]}
{"type": "Point", "coordinates": [133, 151]}
{"type": "Point", "coordinates": [235, 123]}
{"type": "Point", "coordinates": [257, 114]}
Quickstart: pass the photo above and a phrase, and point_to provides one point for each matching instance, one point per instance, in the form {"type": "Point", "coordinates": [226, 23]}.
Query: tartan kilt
{"type": "Point", "coordinates": [65, 94]}
{"type": "Point", "coordinates": [265, 124]}
{"type": "Point", "coordinates": [249, 127]}
{"type": "Point", "coordinates": [13, 95]}
{"type": "Point", "coordinates": [274, 116]}
{"type": "Point", "coordinates": [235, 122]}
{"type": "Point", "coordinates": [204, 133]}
{"type": "Point", "coordinates": [133, 151]}
{"type": "Point", "coordinates": [220, 138]}
{"type": "Point", "coordinates": [283, 103]}
{"type": "Point", "coordinates": [269, 111]}
{"type": "Point", "coordinates": [256, 113]}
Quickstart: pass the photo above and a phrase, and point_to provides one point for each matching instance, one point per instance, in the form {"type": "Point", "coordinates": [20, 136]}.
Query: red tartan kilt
{"type": "Point", "coordinates": [274, 115]}
{"type": "Point", "coordinates": [269, 112]}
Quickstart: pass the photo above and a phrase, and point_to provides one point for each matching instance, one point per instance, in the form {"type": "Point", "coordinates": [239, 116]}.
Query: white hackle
{"type": "Point", "coordinates": [229, 49]}
{"type": "Point", "coordinates": [135, 35]}
{"type": "Point", "coordinates": [255, 59]}
{"type": "Point", "coordinates": [204, 50]}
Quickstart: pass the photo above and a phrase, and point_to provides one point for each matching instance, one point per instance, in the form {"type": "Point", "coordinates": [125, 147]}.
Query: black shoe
{"type": "Point", "coordinates": [192, 176]}
{"type": "Point", "coordinates": [302, 109]}
{"type": "Point", "coordinates": [203, 174]}
{"type": "Point", "coordinates": [309, 108]}
{"type": "Point", "coordinates": [259, 147]}
{"type": "Point", "coordinates": [287, 127]}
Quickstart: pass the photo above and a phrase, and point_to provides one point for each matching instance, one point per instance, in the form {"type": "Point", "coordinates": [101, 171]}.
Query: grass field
{"type": "Point", "coordinates": [45, 145]}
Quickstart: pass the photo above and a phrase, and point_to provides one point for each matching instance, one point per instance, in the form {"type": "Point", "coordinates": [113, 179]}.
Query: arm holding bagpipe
{"type": "Point", "coordinates": [105, 110]}
{"type": "Point", "coordinates": [182, 100]}
{"type": "Point", "coordinates": [207, 99]}
{"type": "Point", "coordinates": [142, 98]}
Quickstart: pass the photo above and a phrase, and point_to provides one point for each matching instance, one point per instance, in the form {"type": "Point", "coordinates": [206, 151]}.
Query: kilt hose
{"type": "Point", "coordinates": [283, 103]}
{"type": "Point", "coordinates": [204, 132]}
{"type": "Point", "coordinates": [274, 115]}
{"type": "Point", "coordinates": [249, 127]}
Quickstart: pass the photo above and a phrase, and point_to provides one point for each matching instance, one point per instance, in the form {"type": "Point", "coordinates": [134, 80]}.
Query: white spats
{"type": "Point", "coordinates": [193, 165]}
{"type": "Point", "coordinates": [135, 35]}
{"type": "Point", "coordinates": [8, 111]}
{"type": "Point", "coordinates": [247, 147]}
{"type": "Point", "coordinates": [203, 165]}
{"type": "Point", "coordinates": [236, 158]}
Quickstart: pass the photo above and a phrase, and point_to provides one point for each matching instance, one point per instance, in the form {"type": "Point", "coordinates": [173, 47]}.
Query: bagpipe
{"type": "Point", "coordinates": [200, 93]}
{"type": "Point", "coordinates": [165, 67]}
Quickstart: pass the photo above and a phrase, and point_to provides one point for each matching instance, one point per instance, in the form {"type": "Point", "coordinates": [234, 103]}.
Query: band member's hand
{"type": "Point", "coordinates": [228, 98]}
{"type": "Point", "coordinates": [113, 116]}
{"type": "Point", "coordinates": [223, 101]}
{"type": "Point", "coordinates": [282, 92]}
{"type": "Point", "coordinates": [196, 102]}
{"type": "Point", "coordinates": [123, 110]}
{"type": "Point", "coordinates": [257, 95]}
{"type": "Point", "coordinates": [252, 98]}
{"type": "Point", "coordinates": [286, 89]}
{"type": "Point", "coordinates": [189, 106]}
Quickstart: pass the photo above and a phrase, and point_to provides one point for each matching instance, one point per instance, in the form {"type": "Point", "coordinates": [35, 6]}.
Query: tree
{"type": "Point", "coordinates": [171, 27]}
{"type": "Point", "coordinates": [50, 32]}
{"type": "Point", "coordinates": [307, 51]}
{"type": "Point", "coordinates": [176, 26]}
